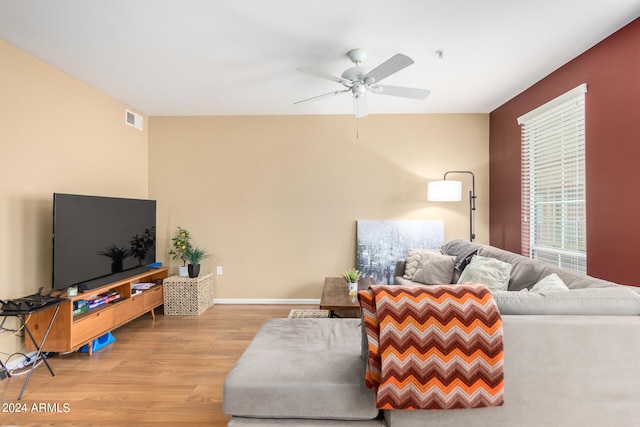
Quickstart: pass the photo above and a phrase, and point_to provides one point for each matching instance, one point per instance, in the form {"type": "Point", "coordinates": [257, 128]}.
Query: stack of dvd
{"type": "Point", "coordinates": [80, 307]}
{"type": "Point", "coordinates": [102, 299]}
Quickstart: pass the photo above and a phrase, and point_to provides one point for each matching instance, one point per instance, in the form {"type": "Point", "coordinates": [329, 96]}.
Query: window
{"type": "Point", "coordinates": [553, 182]}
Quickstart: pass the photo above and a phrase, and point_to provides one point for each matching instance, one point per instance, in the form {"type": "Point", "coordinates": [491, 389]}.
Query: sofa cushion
{"type": "Point", "coordinates": [576, 280]}
{"type": "Point", "coordinates": [284, 373]}
{"type": "Point", "coordinates": [488, 271]}
{"type": "Point", "coordinates": [291, 422]}
{"type": "Point", "coordinates": [550, 283]}
{"type": "Point", "coordinates": [435, 269]}
{"type": "Point", "coordinates": [618, 301]}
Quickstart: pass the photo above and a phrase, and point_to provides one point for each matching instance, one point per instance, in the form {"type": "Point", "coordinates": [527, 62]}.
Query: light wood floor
{"type": "Point", "coordinates": [164, 371]}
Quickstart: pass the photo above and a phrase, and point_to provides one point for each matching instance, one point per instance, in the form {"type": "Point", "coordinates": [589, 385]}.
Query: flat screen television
{"type": "Point", "coordinates": [100, 240]}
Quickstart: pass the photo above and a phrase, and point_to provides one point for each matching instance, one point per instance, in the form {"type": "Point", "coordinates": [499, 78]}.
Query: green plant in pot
{"type": "Point", "coordinates": [352, 276]}
{"type": "Point", "coordinates": [181, 245]}
{"type": "Point", "coordinates": [193, 257]}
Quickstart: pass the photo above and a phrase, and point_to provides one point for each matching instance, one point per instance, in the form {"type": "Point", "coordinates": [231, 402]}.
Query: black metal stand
{"type": "Point", "coordinates": [472, 201]}
{"type": "Point", "coordinates": [20, 315]}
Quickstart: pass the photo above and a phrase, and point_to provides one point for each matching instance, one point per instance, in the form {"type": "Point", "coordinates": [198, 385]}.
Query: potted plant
{"type": "Point", "coordinates": [181, 244]}
{"type": "Point", "coordinates": [194, 256]}
{"type": "Point", "coordinates": [352, 276]}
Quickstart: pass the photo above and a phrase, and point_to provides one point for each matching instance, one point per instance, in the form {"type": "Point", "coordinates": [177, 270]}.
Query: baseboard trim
{"type": "Point", "coordinates": [266, 301]}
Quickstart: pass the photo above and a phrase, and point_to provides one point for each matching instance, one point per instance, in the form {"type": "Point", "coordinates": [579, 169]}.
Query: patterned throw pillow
{"type": "Point", "coordinates": [414, 256]}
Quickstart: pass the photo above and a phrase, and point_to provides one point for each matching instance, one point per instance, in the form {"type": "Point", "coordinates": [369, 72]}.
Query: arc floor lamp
{"type": "Point", "coordinates": [451, 191]}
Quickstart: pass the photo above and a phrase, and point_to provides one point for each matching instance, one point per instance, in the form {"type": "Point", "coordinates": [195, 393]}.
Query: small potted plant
{"type": "Point", "coordinates": [352, 276]}
{"type": "Point", "coordinates": [194, 256]}
{"type": "Point", "coordinates": [181, 244]}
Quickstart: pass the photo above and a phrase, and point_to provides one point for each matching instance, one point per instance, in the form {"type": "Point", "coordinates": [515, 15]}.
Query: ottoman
{"type": "Point", "coordinates": [301, 372]}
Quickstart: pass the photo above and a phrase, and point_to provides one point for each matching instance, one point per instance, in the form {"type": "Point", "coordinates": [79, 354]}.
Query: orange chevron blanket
{"type": "Point", "coordinates": [433, 347]}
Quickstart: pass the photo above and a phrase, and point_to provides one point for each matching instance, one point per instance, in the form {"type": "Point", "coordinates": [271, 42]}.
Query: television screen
{"type": "Point", "coordinates": [99, 240]}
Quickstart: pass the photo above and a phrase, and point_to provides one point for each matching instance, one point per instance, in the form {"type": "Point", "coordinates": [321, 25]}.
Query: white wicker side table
{"type": "Point", "coordinates": [186, 296]}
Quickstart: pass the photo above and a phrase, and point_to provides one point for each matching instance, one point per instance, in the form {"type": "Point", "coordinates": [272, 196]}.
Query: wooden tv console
{"type": "Point", "coordinates": [69, 332]}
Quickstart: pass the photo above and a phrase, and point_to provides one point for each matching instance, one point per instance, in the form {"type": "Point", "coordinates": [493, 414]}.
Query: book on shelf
{"type": "Point", "coordinates": [142, 286]}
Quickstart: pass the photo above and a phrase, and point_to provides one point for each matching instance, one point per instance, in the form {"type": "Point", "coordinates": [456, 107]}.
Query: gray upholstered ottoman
{"type": "Point", "coordinates": [301, 369]}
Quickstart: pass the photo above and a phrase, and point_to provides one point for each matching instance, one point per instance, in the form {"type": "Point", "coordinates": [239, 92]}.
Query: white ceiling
{"type": "Point", "coordinates": [224, 57]}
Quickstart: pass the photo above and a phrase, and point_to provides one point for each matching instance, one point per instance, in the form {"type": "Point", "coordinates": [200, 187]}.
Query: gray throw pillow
{"type": "Point", "coordinates": [488, 271]}
{"type": "Point", "coordinates": [435, 269]}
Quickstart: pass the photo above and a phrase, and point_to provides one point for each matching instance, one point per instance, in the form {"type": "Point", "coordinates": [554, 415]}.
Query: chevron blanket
{"type": "Point", "coordinates": [433, 347]}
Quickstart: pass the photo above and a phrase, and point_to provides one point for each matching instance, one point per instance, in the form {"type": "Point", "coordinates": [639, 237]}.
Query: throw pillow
{"type": "Point", "coordinates": [413, 261]}
{"type": "Point", "coordinates": [489, 271]}
{"type": "Point", "coordinates": [435, 269]}
{"type": "Point", "coordinates": [463, 250]}
{"type": "Point", "coordinates": [525, 272]}
{"type": "Point", "coordinates": [550, 283]}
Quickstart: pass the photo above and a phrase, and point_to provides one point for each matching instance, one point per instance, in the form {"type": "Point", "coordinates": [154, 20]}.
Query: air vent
{"type": "Point", "coordinates": [133, 119]}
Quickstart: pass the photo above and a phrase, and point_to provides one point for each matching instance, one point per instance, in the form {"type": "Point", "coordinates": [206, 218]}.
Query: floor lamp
{"type": "Point", "coordinates": [451, 191]}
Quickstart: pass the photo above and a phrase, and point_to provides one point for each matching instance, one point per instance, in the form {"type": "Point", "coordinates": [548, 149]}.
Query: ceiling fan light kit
{"type": "Point", "coordinates": [358, 80]}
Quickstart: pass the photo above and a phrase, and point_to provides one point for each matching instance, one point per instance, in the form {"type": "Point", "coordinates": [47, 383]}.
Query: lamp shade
{"type": "Point", "coordinates": [444, 191]}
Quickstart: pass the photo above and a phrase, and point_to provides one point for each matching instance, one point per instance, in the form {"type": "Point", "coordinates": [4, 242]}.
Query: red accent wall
{"type": "Point", "coordinates": [611, 70]}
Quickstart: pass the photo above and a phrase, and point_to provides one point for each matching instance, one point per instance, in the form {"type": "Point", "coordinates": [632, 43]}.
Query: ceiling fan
{"type": "Point", "coordinates": [358, 80]}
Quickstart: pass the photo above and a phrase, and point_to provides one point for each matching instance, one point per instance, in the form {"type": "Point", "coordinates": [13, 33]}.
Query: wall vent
{"type": "Point", "coordinates": [133, 119]}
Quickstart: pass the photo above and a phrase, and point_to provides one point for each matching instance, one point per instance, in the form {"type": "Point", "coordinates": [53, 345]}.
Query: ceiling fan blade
{"type": "Point", "coordinates": [312, 71]}
{"type": "Point", "coordinates": [404, 92]}
{"type": "Point", "coordinates": [392, 65]}
{"type": "Point", "coordinates": [360, 105]}
{"type": "Point", "coordinates": [325, 95]}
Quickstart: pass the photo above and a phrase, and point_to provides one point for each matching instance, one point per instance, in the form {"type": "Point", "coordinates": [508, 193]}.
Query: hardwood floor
{"type": "Point", "coordinates": [164, 371]}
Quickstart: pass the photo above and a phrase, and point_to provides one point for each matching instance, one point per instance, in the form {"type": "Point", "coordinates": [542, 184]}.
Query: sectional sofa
{"type": "Point", "coordinates": [570, 356]}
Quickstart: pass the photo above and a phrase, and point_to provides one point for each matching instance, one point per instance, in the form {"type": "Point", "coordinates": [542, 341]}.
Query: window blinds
{"type": "Point", "coordinates": [553, 182]}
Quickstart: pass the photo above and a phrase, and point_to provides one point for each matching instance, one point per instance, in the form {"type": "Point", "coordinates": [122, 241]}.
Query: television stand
{"type": "Point", "coordinates": [69, 332]}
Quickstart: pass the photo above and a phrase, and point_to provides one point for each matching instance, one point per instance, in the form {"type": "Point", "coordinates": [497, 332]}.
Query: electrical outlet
{"type": "Point", "coordinates": [219, 270]}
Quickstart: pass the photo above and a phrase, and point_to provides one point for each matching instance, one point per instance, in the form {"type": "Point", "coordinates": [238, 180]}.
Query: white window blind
{"type": "Point", "coordinates": [553, 182]}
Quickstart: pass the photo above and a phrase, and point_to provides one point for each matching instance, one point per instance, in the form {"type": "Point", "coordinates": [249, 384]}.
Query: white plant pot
{"type": "Point", "coordinates": [183, 271]}
{"type": "Point", "coordinates": [353, 288]}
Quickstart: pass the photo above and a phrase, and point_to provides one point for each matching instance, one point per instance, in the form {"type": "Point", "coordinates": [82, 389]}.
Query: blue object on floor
{"type": "Point", "coordinates": [155, 265]}
{"type": "Point", "coordinates": [99, 343]}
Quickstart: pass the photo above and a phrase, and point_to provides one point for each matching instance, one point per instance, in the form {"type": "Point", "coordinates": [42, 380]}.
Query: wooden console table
{"type": "Point", "coordinates": [69, 332]}
{"type": "Point", "coordinates": [335, 294]}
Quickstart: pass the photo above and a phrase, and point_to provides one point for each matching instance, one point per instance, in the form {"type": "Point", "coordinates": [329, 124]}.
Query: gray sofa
{"type": "Point", "coordinates": [570, 359]}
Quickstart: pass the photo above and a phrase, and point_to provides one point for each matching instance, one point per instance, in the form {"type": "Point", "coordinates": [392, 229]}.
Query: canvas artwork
{"type": "Point", "coordinates": [381, 243]}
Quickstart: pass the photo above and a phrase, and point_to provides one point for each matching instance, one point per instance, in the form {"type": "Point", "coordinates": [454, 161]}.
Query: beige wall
{"type": "Point", "coordinates": [57, 135]}
{"type": "Point", "coordinates": [276, 198]}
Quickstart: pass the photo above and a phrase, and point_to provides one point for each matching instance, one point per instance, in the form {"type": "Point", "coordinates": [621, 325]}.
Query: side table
{"type": "Point", "coordinates": [187, 296]}
{"type": "Point", "coordinates": [335, 295]}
